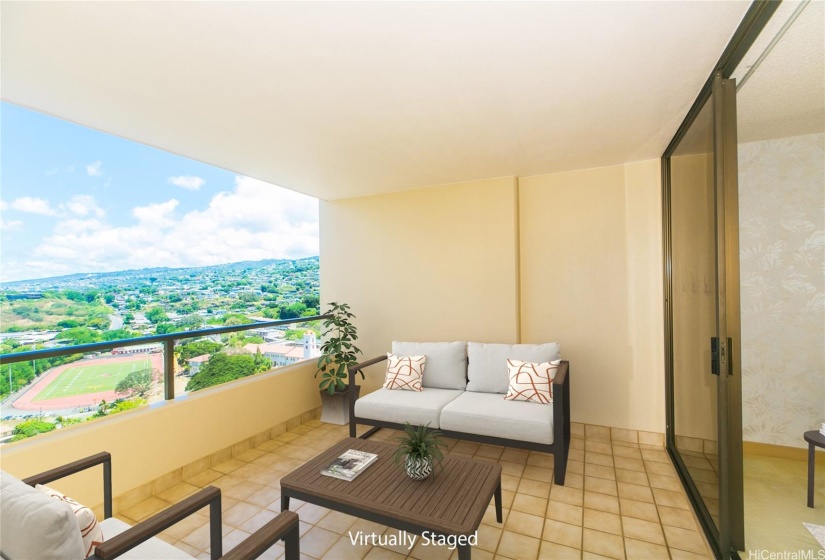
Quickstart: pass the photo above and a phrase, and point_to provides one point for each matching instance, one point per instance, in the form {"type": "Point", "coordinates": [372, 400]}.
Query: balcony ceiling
{"type": "Point", "coordinates": [346, 99]}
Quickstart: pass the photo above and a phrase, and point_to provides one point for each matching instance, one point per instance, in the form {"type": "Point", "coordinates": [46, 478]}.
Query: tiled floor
{"type": "Point", "coordinates": [621, 500]}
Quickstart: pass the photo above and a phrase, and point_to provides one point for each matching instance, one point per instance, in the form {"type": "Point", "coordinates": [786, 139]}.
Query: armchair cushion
{"type": "Point", "coordinates": [35, 525]}
{"type": "Point", "coordinates": [446, 362]}
{"type": "Point", "coordinates": [417, 408]}
{"type": "Point", "coordinates": [487, 370]}
{"type": "Point", "coordinates": [153, 549]}
{"type": "Point", "coordinates": [87, 524]}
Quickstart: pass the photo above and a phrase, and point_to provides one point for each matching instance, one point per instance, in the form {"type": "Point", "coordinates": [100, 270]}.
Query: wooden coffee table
{"type": "Point", "coordinates": [449, 503]}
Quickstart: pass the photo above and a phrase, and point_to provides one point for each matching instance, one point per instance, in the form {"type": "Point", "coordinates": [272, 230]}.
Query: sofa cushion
{"type": "Point", "coordinates": [404, 372]}
{"type": "Point", "coordinates": [530, 381]}
{"type": "Point", "coordinates": [490, 415]}
{"type": "Point", "coordinates": [35, 525]}
{"type": "Point", "coordinates": [487, 371]}
{"type": "Point", "coordinates": [446, 362]}
{"type": "Point", "coordinates": [417, 408]}
{"type": "Point", "coordinates": [87, 524]}
{"type": "Point", "coordinates": [153, 549]}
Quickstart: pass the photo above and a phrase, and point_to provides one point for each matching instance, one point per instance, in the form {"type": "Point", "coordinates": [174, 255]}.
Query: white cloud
{"type": "Point", "coordinates": [3, 204]}
{"type": "Point", "coordinates": [11, 225]}
{"type": "Point", "coordinates": [95, 169]}
{"type": "Point", "coordinates": [83, 205]}
{"type": "Point", "coordinates": [33, 206]}
{"type": "Point", "coordinates": [253, 221]}
{"type": "Point", "coordinates": [189, 182]}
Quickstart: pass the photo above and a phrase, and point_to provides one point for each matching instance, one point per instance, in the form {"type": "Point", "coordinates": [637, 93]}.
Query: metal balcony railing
{"type": "Point", "coordinates": [168, 340]}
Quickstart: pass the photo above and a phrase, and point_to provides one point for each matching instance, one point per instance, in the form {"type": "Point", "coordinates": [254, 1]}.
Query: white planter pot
{"type": "Point", "coordinates": [418, 469]}
{"type": "Point", "coordinates": [335, 408]}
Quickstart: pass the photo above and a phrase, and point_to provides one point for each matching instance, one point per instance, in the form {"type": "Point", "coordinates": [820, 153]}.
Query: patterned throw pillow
{"type": "Point", "coordinates": [405, 372]}
{"type": "Point", "coordinates": [90, 529]}
{"type": "Point", "coordinates": [530, 381]}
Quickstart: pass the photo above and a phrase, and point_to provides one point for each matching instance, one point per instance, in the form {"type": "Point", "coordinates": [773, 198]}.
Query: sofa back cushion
{"type": "Point", "coordinates": [446, 362]}
{"type": "Point", "coordinates": [488, 363]}
{"type": "Point", "coordinates": [36, 525]}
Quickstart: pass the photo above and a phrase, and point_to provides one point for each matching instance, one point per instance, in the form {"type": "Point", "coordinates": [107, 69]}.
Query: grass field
{"type": "Point", "coordinates": [91, 378]}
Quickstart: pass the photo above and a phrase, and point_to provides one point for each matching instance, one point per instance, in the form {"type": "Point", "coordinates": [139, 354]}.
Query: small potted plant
{"type": "Point", "coordinates": [338, 353]}
{"type": "Point", "coordinates": [419, 447]}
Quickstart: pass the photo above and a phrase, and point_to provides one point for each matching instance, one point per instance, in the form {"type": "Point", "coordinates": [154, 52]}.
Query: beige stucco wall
{"type": "Point", "coordinates": [155, 440]}
{"type": "Point", "coordinates": [571, 257]}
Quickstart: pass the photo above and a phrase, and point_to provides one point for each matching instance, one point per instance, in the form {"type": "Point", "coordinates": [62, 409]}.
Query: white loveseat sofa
{"type": "Point", "coordinates": [463, 396]}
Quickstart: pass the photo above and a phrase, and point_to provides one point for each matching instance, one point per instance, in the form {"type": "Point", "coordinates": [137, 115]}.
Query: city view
{"type": "Point", "coordinates": [106, 240]}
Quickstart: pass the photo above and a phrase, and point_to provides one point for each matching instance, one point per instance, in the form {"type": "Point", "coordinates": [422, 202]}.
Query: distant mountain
{"type": "Point", "coordinates": [122, 277]}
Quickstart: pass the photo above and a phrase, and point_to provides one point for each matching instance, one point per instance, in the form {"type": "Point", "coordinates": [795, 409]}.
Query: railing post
{"type": "Point", "coordinates": [169, 369]}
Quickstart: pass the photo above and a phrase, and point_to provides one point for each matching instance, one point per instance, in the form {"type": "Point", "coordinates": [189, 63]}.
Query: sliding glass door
{"type": "Point", "coordinates": [702, 306]}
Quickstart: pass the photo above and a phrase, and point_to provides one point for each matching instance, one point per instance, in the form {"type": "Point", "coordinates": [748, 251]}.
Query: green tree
{"type": "Point", "coordinates": [164, 328]}
{"type": "Point", "coordinates": [222, 368]}
{"type": "Point", "coordinates": [191, 349]}
{"type": "Point", "coordinates": [118, 334]}
{"type": "Point", "coordinates": [136, 383]}
{"type": "Point", "coordinates": [80, 335]}
{"type": "Point", "coordinates": [293, 311]}
{"type": "Point", "coordinates": [156, 315]}
{"type": "Point", "coordinates": [31, 428]}
{"type": "Point", "coordinates": [109, 299]}
{"type": "Point", "coordinates": [68, 324]}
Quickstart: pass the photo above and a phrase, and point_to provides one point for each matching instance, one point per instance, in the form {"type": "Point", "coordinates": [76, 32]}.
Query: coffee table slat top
{"type": "Point", "coordinates": [451, 501]}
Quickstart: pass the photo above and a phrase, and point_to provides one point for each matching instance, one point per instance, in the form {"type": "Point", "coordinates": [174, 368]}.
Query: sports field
{"type": "Point", "coordinates": [89, 378]}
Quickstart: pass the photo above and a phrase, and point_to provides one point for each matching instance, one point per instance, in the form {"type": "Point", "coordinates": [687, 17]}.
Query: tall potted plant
{"type": "Point", "coordinates": [338, 353]}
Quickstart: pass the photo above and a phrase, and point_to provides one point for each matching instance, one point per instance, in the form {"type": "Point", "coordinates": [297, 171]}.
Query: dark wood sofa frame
{"type": "Point", "coordinates": [561, 420]}
{"type": "Point", "coordinates": [283, 527]}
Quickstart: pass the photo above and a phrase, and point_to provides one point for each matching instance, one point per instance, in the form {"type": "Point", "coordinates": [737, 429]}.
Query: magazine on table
{"type": "Point", "coordinates": [350, 464]}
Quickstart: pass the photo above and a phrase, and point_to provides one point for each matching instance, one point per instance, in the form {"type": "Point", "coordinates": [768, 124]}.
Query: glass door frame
{"type": "Point", "coordinates": [719, 90]}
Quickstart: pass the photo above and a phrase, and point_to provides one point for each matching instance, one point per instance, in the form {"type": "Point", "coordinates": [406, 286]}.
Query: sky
{"type": "Point", "coordinates": [73, 199]}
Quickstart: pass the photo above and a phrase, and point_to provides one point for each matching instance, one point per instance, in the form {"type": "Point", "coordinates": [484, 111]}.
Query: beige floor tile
{"type": "Point", "coordinates": [619, 434]}
{"type": "Point", "coordinates": [518, 547]}
{"type": "Point", "coordinates": [684, 539]}
{"type": "Point", "coordinates": [488, 537]}
{"type": "Point", "coordinates": [639, 529]}
{"type": "Point", "coordinates": [599, 471]}
{"type": "Point", "coordinates": [204, 478]}
{"type": "Point", "coordinates": [642, 550]}
{"type": "Point", "coordinates": [258, 520]}
{"type": "Point", "coordinates": [665, 469]}
{"type": "Point", "coordinates": [178, 492]}
{"type": "Point", "coordinates": [567, 495]}
{"type": "Point", "coordinates": [343, 549]}
{"type": "Point", "coordinates": [199, 538]}
{"type": "Point", "coordinates": [239, 513]}
{"type": "Point", "coordinates": [541, 461]}
{"type": "Point", "coordinates": [490, 516]}
{"type": "Point", "coordinates": [377, 553]}
{"type": "Point", "coordinates": [565, 513]}
{"type": "Point", "coordinates": [575, 454]}
{"type": "Point", "coordinates": [665, 482]}
{"type": "Point", "coordinates": [670, 498]}
{"type": "Point", "coordinates": [601, 502]}
{"type": "Point", "coordinates": [562, 533]}
{"type": "Point", "coordinates": [587, 555]}
{"type": "Point", "coordinates": [632, 477]}
{"type": "Point", "coordinates": [337, 522]}
{"type": "Point", "coordinates": [400, 544]}
{"type": "Point", "coordinates": [525, 524]}
{"type": "Point", "coordinates": [605, 544]}
{"type": "Point", "coordinates": [263, 497]}
{"type": "Point", "coordinates": [574, 480]}
{"type": "Point", "coordinates": [602, 521]}
{"type": "Point", "coordinates": [189, 549]}
{"type": "Point", "coordinates": [249, 470]}
{"type": "Point", "coordinates": [600, 485]}
{"type": "Point", "coordinates": [310, 513]}
{"type": "Point", "coordinates": [538, 473]}
{"type": "Point", "coordinates": [639, 510]}
{"type": "Point", "coordinates": [629, 464]}
{"type": "Point", "coordinates": [430, 550]}
{"type": "Point", "coordinates": [677, 554]}
{"type": "Point", "coordinates": [228, 466]}
{"type": "Point", "coordinates": [249, 455]}
{"type": "Point", "coordinates": [242, 490]}
{"type": "Point", "coordinates": [655, 456]}
{"type": "Point", "coordinates": [466, 447]}
{"type": "Point", "coordinates": [604, 448]}
{"type": "Point", "coordinates": [529, 504]}
{"type": "Point", "coordinates": [534, 488]}
{"type": "Point", "coordinates": [576, 429]}
{"type": "Point", "coordinates": [635, 492]}
{"type": "Point", "coordinates": [318, 541]}
{"type": "Point", "coordinates": [518, 456]}
{"type": "Point", "coordinates": [509, 482]}
{"type": "Point", "coordinates": [489, 451]}
{"type": "Point", "coordinates": [146, 508]}
{"type": "Point", "coordinates": [287, 436]}
{"type": "Point", "coordinates": [596, 432]}
{"type": "Point", "coordinates": [513, 469]}
{"type": "Point", "coordinates": [575, 467]}
{"type": "Point", "coordinates": [598, 458]}
{"type": "Point", "coordinates": [554, 551]}
{"type": "Point", "coordinates": [185, 526]}
{"type": "Point", "coordinates": [233, 539]}
{"type": "Point", "coordinates": [626, 452]}
{"type": "Point", "coordinates": [507, 498]}
{"type": "Point", "coordinates": [269, 445]}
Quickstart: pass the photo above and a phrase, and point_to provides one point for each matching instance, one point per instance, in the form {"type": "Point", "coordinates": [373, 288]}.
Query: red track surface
{"type": "Point", "coordinates": [24, 402]}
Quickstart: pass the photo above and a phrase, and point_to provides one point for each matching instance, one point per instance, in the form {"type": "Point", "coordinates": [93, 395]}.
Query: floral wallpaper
{"type": "Point", "coordinates": [782, 250]}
